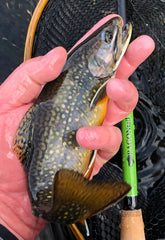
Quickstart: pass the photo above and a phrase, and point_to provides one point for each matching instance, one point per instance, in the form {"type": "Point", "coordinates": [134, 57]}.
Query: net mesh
{"type": "Point", "coordinates": [62, 23]}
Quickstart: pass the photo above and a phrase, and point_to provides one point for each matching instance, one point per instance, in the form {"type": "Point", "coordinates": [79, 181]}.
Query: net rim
{"type": "Point", "coordinates": [32, 28]}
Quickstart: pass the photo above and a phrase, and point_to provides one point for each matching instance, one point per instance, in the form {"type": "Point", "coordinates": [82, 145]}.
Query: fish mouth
{"type": "Point", "coordinates": [126, 36]}
{"type": "Point", "coordinates": [125, 39]}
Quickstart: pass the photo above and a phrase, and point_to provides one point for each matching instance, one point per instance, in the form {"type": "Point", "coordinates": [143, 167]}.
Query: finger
{"type": "Point", "coordinates": [26, 82]}
{"type": "Point", "coordinates": [123, 97]}
{"type": "Point", "coordinates": [136, 53]}
{"type": "Point", "coordinates": [106, 139]}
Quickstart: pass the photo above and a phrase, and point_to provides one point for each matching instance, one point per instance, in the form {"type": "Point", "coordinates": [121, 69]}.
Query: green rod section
{"type": "Point", "coordinates": [129, 154]}
{"type": "Point", "coordinates": [128, 144]}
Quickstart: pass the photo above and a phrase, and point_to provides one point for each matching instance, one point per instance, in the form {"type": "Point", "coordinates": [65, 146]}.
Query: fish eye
{"type": "Point", "coordinates": [107, 36]}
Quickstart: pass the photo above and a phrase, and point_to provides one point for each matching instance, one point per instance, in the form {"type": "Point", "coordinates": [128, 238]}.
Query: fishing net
{"type": "Point", "coordinates": [64, 22]}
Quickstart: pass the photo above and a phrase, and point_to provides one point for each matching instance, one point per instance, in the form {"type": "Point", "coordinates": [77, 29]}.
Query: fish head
{"type": "Point", "coordinates": [109, 45]}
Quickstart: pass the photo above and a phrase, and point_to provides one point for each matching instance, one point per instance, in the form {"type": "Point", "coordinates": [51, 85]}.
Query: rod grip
{"type": "Point", "coordinates": [132, 226]}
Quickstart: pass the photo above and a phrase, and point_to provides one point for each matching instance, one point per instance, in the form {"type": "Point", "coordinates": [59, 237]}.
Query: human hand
{"type": "Point", "coordinates": [18, 93]}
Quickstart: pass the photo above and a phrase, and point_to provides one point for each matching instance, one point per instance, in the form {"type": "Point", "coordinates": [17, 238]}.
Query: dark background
{"type": "Point", "coordinates": [14, 19]}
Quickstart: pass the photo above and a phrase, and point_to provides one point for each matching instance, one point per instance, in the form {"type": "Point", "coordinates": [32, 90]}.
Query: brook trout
{"type": "Point", "coordinates": [57, 167]}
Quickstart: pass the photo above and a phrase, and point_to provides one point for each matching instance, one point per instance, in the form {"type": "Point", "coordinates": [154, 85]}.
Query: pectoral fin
{"type": "Point", "coordinates": [100, 94]}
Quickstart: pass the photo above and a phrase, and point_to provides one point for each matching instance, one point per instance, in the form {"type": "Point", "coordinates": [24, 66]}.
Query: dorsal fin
{"type": "Point", "coordinates": [76, 198]}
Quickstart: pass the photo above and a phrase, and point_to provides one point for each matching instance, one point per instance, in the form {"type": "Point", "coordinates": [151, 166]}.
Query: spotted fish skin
{"type": "Point", "coordinates": [46, 139]}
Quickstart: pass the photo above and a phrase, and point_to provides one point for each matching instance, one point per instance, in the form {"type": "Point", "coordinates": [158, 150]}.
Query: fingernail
{"type": "Point", "coordinates": [56, 54]}
{"type": "Point", "coordinates": [54, 51]}
{"type": "Point", "coordinates": [89, 134]}
{"type": "Point", "coordinates": [118, 84]}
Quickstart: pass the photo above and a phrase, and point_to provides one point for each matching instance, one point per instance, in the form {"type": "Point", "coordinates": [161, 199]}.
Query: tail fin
{"type": "Point", "coordinates": [76, 198]}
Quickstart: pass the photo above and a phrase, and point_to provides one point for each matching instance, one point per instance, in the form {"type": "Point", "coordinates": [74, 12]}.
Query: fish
{"type": "Point", "coordinates": [57, 167]}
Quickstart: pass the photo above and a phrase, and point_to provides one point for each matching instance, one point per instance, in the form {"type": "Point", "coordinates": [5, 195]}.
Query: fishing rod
{"type": "Point", "coordinates": [132, 226]}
